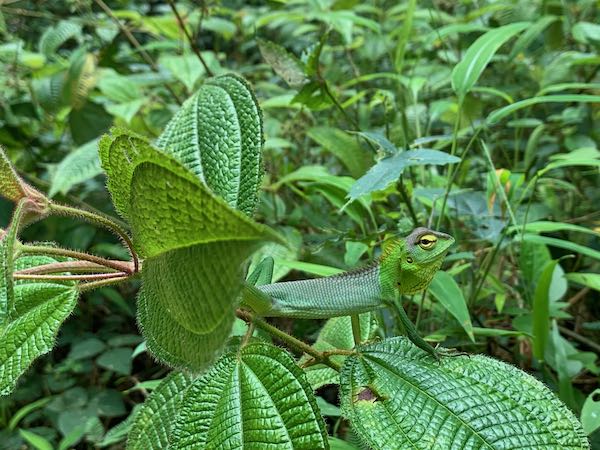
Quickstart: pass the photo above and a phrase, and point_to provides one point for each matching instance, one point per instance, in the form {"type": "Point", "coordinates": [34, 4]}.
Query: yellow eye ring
{"type": "Point", "coordinates": [427, 241]}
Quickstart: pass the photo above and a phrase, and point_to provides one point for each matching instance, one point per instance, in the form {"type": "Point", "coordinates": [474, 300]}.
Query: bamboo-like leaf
{"type": "Point", "coordinates": [479, 54]}
{"type": "Point", "coordinates": [345, 147]}
{"type": "Point", "coordinates": [153, 422]}
{"type": "Point", "coordinates": [397, 396]}
{"type": "Point", "coordinates": [448, 293]}
{"type": "Point", "coordinates": [34, 318]}
{"type": "Point", "coordinates": [541, 310]}
{"type": "Point", "coordinates": [591, 280]}
{"type": "Point", "coordinates": [567, 245]}
{"type": "Point", "coordinates": [256, 397]}
{"type": "Point", "coordinates": [499, 114]}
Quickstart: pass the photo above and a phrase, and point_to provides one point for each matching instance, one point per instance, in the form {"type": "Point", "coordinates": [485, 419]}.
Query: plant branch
{"type": "Point", "coordinates": [189, 38]}
{"type": "Point", "coordinates": [98, 219]}
{"type": "Point", "coordinates": [248, 317]}
{"type": "Point", "coordinates": [121, 266]}
{"type": "Point", "coordinates": [65, 266]}
{"type": "Point", "coordinates": [131, 38]}
{"type": "Point", "coordinates": [80, 277]}
{"type": "Point", "coordinates": [90, 285]}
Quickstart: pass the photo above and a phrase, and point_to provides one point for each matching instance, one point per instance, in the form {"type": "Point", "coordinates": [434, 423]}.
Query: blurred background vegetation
{"type": "Point", "coordinates": [342, 84]}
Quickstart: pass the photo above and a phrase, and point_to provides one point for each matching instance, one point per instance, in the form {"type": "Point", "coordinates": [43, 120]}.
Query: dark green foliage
{"type": "Point", "coordinates": [505, 93]}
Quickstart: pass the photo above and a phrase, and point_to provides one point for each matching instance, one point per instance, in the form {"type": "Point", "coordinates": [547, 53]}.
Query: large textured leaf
{"type": "Point", "coordinates": [217, 135]}
{"type": "Point", "coordinates": [389, 169]}
{"type": "Point", "coordinates": [256, 398]}
{"type": "Point", "coordinates": [194, 244]}
{"type": "Point", "coordinates": [34, 318]}
{"type": "Point", "coordinates": [336, 334]}
{"type": "Point", "coordinates": [479, 54]}
{"type": "Point", "coordinates": [151, 429]}
{"type": "Point", "coordinates": [78, 166]}
{"type": "Point", "coordinates": [397, 397]}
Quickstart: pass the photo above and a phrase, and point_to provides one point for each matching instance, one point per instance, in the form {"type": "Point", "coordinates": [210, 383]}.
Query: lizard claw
{"type": "Point", "coordinates": [442, 352]}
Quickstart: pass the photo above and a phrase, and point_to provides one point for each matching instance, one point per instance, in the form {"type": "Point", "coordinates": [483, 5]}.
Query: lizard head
{"type": "Point", "coordinates": [423, 253]}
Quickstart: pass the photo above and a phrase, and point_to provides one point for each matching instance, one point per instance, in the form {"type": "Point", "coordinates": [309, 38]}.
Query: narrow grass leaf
{"type": "Point", "coordinates": [448, 293]}
{"type": "Point", "coordinates": [479, 54]}
{"type": "Point", "coordinates": [541, 310]}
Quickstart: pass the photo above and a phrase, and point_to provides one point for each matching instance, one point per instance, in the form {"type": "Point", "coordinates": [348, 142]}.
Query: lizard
{"type": "Point", "coordinates": [407, 266]}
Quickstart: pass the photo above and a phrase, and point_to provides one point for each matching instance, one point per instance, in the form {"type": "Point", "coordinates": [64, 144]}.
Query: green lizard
{"type": "Point", "coordinates": [406, 266]}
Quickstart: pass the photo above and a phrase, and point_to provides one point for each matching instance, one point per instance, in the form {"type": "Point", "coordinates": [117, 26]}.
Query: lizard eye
{"type": "Point", "coordinates": [428, 241]}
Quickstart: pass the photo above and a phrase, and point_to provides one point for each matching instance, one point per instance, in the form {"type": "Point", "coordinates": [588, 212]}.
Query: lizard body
{"type": "Point", "coordinates": [407, 266]}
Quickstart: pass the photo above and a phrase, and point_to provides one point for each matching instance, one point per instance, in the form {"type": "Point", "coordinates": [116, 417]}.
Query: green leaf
{"type": "Point", "coordinates": [153, 422]}
{"type": "Point", "coordinates": [541, 310]}
{"type": "Point", "coordinates": [116, 359]}
{"type": "Point", "coordinates": [567, 245]}
{"type": "Point", "coordinates": [36, 440]}
{"type": "Point", "coordinates": [336, 334]}
{"type": "Point", "coordinates": [126, 111]}
{"type": "Point", "coordinates": [530, 34]}
{"type": "Point", "coordinates": [78, 166]}
{"type": "Point", "coordinates": [251, 398]}
{"type": "Point", "coordinates": [590, 413]}
{"type": "Point", "coordinates": [544, 226]}
{"type": "Point", "coordinates": [499, 114]}
{"type": "Point", "coordinates": [448, 293]}
{"type": "Point", "coordinates": [394, 392]}
{"type": "Point", "coordinates": [11, 186]}
{"type": "Point", "coordinates": [285, 64]}
{"type": "Point", "coordinates": [479, 54]}
{"type": "Point", "coordinates": [389, 169]}
{"type": "Point", "coordinates": [86, 348]}
{"type": "Point", "coordinates": [195, 246]}
{"type": "Point", "coordinates": [217, 135]}
{"type": "Point", "coordinates": [187, 68]}
{"type": "Point", "coordinates": [345, 147]}
{"type": "Point", "coordinates": [591, 280]}
{"type": "Point", "coordinates": [55, 36]}
{"type": "Point", "coordinates": [338, 444]}
{"type": "Point", "coordinates": [38, 312]}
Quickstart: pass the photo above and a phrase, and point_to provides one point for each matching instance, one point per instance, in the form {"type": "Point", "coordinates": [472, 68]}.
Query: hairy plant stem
{"type": "Point", "coordinates": [120, 266]}
{"type": "Point", "coordinates": [65, 266]}
{"type": "Point", "coordinates": [91, 285]}
{"type": "Point", "coordinates": [101, 220]}
{"type": "Point", "coordinates": [80, 277]}
{"type": "Point", "coordinates": [248, 317]}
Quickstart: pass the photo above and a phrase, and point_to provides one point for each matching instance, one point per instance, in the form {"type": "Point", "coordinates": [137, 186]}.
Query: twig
{"type": "Point", "coordinates": [66, 266]}
{"type": "Point", "coordinates": [189, 38]}
{"type": "Point", "coordinates": [121, 266]}
{"type": "Point", "coordinates": [80, 277]}
{"type": "Point", "coordinates": [288, 339]}
{"type": "Point", "coordinates": [131, 38]}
